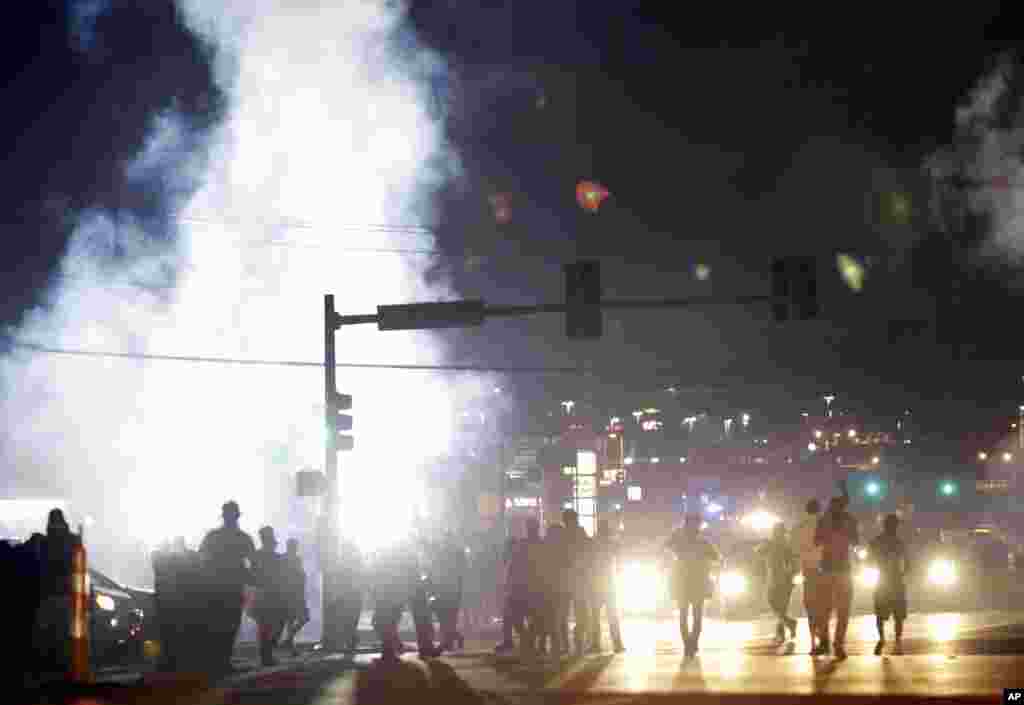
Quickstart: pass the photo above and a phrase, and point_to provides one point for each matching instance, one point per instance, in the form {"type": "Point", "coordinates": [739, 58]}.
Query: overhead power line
{"type": "Point", "coordinates": [45, 349]}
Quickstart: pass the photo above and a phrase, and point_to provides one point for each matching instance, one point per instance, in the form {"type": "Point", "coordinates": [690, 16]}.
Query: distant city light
{"type": "Point", "coordinates": [634, 493]}
{"type": "Point", "coordinates": [812, 446]}
{"type": "Point", "coordinates": [876, 460]}
{"type": "Point", "coordinates": [714, 508]}
{"type": "Point", "coordinates": [618, 507]}
{"type": "Point", "coordinates": [817, 434]}
{"type": "Point", "coordinates": [948, 488]}
{"type": "Point", "coordinates": [852, 433]}
{"type": "Point", "coordinates": [745, 420]}
{"type": "Point", "coordinates": [628, 460]}
{"type": "Point", "coordinates": [872, 488]}
{"type": "Point", "coordinates": [1007, 457]}
{"type": "Point", "coordinates": [682, 459]}
{"type": "Point", "coordinates": [982, 455]}
{"type": "Point", "coordinates": [655, 460]}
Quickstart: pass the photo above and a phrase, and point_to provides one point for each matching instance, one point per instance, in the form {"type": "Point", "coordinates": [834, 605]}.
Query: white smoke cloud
{"type": "Point", "coordinates": [330, 124]}
{"type": "Point", "coordinates": [990, 151]}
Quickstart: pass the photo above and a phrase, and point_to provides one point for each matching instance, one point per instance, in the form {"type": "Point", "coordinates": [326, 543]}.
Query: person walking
{"type": "Point", "coordinates": [809, 555]}
{"type": "Point", "coordinates": [226, 554]}
{"type": "Point", "coordinates": [449, 574]}
{"type": "Point", "coordinates": [889, 554]}
{"type": "Point", "coordinates": [272, 605]}
{"type": "Point", "coordinates": [295, 587]}
{"type": "Point", "coordinates": [580, 562]}
{"type": "Point", "coordinates": [605, 577]}
{"type": "Point", "coordinates": [836, 534]}
{"type": "Point", "coordinates": [695, 558]}
{"type": "Point", "coordinates": [781, 568]}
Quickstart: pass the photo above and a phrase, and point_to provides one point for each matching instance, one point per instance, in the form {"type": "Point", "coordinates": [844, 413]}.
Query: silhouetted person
{"type": "Point", "coordinates": [580, 568]}
{"type": "Point", "coordinates": [695, 558]}
{"type": "Point", "coordinates": [558, 586]}
{"type": "Point", "coordinates": [809, 554]}
{"type": "Point", "coordinates": [53, 618]}
{"type": "Point", "coordinates": [298, 610]}
{"type": "Point", "coordinates": [782, 567]}
{"type": "Point", "coordinates": [889, 554]}
{"type": "Point", "coordinates": [347, 605]}
{"type": "Point", "coordinates": [395, 576]}
{"type": "Point", "coordinates": [271, 608]}
{"type": "Point", "coordinates": [449, 573]}
{"type": "Point", "coordinates": [836, 534]}
{"type": "Point", "coordinates": [226, 554]}
{"type": "Point", "coordinates": [419, 602]}
{"type": "Point", "coordinates": [605, 576]}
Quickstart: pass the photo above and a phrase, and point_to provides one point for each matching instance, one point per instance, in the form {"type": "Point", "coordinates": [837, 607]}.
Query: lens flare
{"type": "Point", "coordinates": [590, 195]}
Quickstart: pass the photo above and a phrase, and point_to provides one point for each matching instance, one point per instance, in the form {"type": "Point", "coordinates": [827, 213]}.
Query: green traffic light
{"type": "Point", "coordinates": [948, 489]}
{"type": "Point", "coordinates": [872, 488]}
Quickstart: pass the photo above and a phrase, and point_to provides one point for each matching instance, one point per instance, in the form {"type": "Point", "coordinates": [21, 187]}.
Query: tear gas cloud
{"type": "Point", "coordinates": [989, 149]}
{"type": "Point", "coordinates": [332, 126]}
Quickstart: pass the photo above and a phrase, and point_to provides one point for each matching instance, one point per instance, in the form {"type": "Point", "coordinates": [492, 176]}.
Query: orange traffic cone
{"type": "Point", "coordinates": [81, 670]}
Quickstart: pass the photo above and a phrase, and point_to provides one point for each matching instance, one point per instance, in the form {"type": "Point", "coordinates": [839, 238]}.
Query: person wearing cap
{"type": "Point", "coordinates": [695, 559]}
{"type": "Point", "coordinates": [226, 554]}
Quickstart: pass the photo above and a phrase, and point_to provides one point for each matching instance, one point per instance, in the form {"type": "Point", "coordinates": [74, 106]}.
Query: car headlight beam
{"type": "Point", "coordinates": [869, 577]}
{"type": "Point", "coordinates": [732, 584]}
{"type": "Point", "coordinates": [942, 572]}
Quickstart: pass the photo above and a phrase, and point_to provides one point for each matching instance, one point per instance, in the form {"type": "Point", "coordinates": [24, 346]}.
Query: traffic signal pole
{"type": "Point", "coordinates": [331, 536]}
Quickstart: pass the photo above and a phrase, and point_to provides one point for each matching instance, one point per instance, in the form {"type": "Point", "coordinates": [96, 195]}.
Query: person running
{"type": "Point", "coordinates": [836, 534]}
{"type": "Point", "coordinates": [889, 554]}
{"type": "Point", "coordinates": [782, 566]}
{"type": "Point", "coordinates": [809, 555]}
{"type": "Point", "coordinates": [695, 558]}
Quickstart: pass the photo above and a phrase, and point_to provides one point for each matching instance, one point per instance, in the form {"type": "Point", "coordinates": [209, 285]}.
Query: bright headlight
{"type": "Point", "coordinates": [942, 572]}
{"type": "Point", "coordinates": [732, 584]}
{"type": "Point", "coordinates": [105, 602]}
{"type": "Point", "coordinates": [640, 587]}
{"type": "Point", "coordinates": [869, 577]}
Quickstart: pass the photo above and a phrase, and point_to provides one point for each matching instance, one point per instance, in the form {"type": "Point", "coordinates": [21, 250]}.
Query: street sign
{"type": "Point", "coordinates": [444, 314]}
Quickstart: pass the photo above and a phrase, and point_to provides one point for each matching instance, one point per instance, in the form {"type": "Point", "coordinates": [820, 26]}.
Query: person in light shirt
{"type": "Point", "coordinates": [809, 554]}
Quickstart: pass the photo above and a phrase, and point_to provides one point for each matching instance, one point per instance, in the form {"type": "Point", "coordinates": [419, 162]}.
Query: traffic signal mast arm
{"type": "Point", "coordinates": [385, 320]}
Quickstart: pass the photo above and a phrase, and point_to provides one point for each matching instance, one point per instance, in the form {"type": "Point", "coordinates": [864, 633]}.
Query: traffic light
{"type": "Point", "coordinates": [795, 288]}
{"type": "Point", "coordinates": [583, 318]}
{"type": "Point", "coordinates": [338, 423]}
{"type": "Point", "coordinates": [949, 489]}
{"type": "Point", "coordinates": [871, 489]}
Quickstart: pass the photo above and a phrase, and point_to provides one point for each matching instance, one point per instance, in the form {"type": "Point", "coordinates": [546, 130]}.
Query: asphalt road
{"type": "Point", "coordinates": [950, 657]}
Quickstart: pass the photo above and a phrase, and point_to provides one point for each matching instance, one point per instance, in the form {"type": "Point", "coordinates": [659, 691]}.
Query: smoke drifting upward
{"type": "Point", "coordinates": [990, 152]}
{"type": "Point", "coordinates": [330, 143]}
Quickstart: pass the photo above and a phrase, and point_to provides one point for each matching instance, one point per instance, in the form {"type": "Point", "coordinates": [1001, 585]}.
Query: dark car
{"type": "Point", "coordinates": [120, 617]}
{"type": "Point", "coordinates": [122, 621]}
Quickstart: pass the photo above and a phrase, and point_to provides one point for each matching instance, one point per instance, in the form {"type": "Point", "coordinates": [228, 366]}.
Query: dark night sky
{"type": "Point", "coordinates": [723, 153]}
